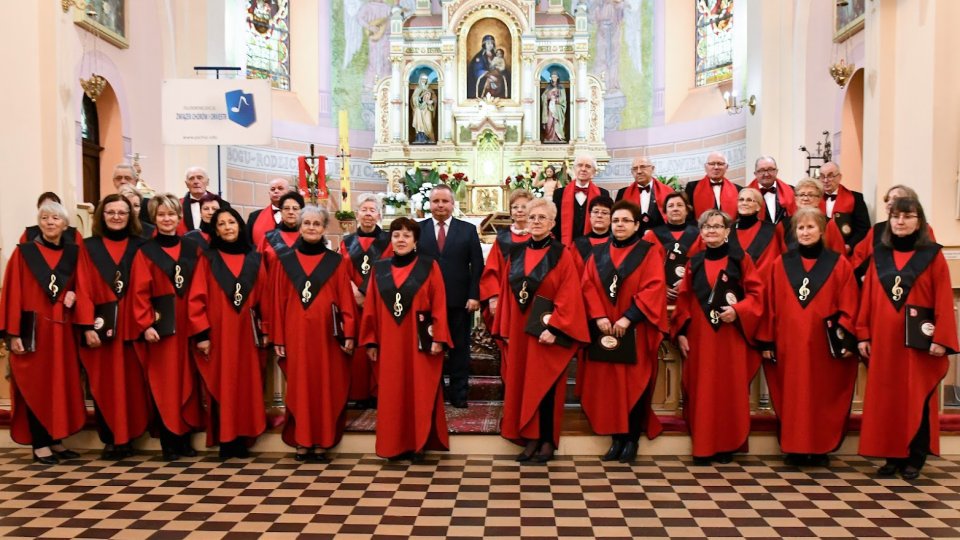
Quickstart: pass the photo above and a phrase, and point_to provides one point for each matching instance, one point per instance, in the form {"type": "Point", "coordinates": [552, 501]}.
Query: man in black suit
{"type": "Point", "coordinates": [573, 201]}
{"type": "Point", "coordinates": [845, 206]}
{"type": "Point", "coordinates": [455, 245]}
{"type": "Point", "coordinates": [197, 182]}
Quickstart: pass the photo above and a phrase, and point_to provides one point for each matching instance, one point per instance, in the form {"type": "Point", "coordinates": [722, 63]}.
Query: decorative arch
{"type": "Point", "coordinates": [465, 13]}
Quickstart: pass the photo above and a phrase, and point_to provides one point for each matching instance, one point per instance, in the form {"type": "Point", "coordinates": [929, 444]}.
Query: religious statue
{"type": "Point", "coordinates": [423, 104]}
{"type": "Point", "coordinates": [488, 72]}
{"type": "Point", "coordinates": [553, 111]}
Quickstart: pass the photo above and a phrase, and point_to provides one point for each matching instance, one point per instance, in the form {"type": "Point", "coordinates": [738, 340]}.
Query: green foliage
{"type": "Point", "coordinates": [672, 181]}
{"type": "Point", "coordinates": [345, 215]}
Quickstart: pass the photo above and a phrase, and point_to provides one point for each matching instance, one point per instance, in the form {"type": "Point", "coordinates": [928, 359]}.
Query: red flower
{"type": "Point", "coordinates": [444, 176]}
{"type": "Point", "coordinates": [459, 175]}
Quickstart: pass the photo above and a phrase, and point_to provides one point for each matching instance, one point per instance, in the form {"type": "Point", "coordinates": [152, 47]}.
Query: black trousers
{"type": "Point", "coordinates": [920, 445]}
{"type": "Point", "coordinates": [39, 435]}
{"type": "Point", "coordinates": [638, 416]}
{"type": "Point", "coordinates": [546, 415]}
{"type": "Point", "coordinates": [103, 429]}
{"type": "Point", "coordinates": [169, 441]}
{"type": "Point", "coordinates": [458, 359]}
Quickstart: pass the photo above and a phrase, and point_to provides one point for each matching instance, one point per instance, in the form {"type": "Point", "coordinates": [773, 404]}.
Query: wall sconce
{"type": "Point", "coordinates": [841, 72]}
{"type": "Point", "coordinates": [79, 4]}
{"type": "Point", "coordinates": [735, 107]}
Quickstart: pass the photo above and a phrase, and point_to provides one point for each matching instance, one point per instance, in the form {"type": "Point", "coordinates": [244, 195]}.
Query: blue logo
{"type": "Point", "coordinates": [240, 108]}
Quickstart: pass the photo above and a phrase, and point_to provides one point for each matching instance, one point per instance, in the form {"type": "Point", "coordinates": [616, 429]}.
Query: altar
{"type": "Point", "coordinates": [487, 89]}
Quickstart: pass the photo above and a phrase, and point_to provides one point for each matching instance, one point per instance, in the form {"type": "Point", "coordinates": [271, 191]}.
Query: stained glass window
{"type": "Point", "coordinates": [268, 41]}
{"type": "Point", "coordinates": [714, 41]}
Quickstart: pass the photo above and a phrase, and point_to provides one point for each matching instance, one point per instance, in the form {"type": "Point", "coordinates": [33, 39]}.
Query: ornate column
{"type": "Point", "coordinates": [530, 86]}
{"type": "Point", "coordinates": [448, 47]}
{"type": "Point", "coordinates": [396, 82]}
{"type": "Point", "coordinates": [581, 54]}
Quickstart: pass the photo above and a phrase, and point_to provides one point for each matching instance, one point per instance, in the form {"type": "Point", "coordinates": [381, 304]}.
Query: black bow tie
{"type": "Point", "coordinates": [644, 188]}
{"type": "Point", "coordinates": [765, 190]}
{"type": "Point", "coordinates": [716, 183]}
{"type": "Point", "coordinates": [276, 210]}
{"type": "Point", "coordinates": [832, 197]}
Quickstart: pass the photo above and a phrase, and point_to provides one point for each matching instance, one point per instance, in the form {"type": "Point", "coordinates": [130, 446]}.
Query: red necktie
{"type": "Point", "coordinates": [441, 236]}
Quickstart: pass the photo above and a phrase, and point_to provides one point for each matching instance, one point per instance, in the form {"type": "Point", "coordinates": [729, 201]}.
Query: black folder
{"type": "Point", "coordinates": [611, 349]}
{"type": "Point", "coordinates": [674, 267]}
{"type": "Point", "coordinates": [259, 337]}
{"type": "Point", "coordinates": [105, 320]}
{"type": "Point", "coordinates": [839, 339]}
{"type": "Point", "coordinates": [28, 330]}
{"type": "Point", "coordinates": [424, 331]}
{"type": "Point", "coordinates": [726, 292]}
{"type": "Point", "coordinates": [539, 318]}
{"type": "Point", "coordinates": [165, 314]}
{"type": "Point", "coordinates": [337, 319]}
{"type": "Point", "coordinates": [919, 327]}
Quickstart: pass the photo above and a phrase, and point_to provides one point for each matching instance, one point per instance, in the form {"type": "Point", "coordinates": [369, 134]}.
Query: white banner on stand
{"type": "Point", "coordinates": [211, 111]}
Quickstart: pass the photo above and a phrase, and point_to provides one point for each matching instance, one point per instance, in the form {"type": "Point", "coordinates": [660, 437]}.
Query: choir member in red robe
{"type": "Point", "coordinates": [646, 192]}
{"type": "Point", "coordinates": [844, 206]}
{"type": "Point", "coordinates": [810, 389]}
{"type": "Point", "coordinates": [236, 283]}
{"type": "Point", "coordinates": [282, 238]}
{"type": "Point", "coordinates": [863, 252]}
{"type": "Point", "coordinates": [31, 233]}
{"type": "Point", "coordinates": [46, 399]}
{"type": "Point", "coordinates": [581, 248]}
{"type": "Point", "coordinates": [714, 190]}
{"type": "Point", "coordinates": [809, 194]}
{"type": "Point", "coordinates": [573, 201]}
{"type": "Point", "coordinates": [714, 342]}
{"type": "Point", "coordinates": [498, 260]}
{"type": "Point", "coordinates": [680, 239]}
{"type": "Point", "coordinates": [311, 284]}
{"type": "Point", "coordinates": [114, 372]}
{"type": "Point", "coordinates": [147, 230]}
{"type": "Point", "coordinates": [405, 331]}
{"type": "Point", "coordinates": [624, 291]}
{"type": "Point", "coordinates": [164, 272]}
{"type": "Point", "coordinates": [779, 201]}
{"type": "Point", "coordinates": [900, 409]}
{"type": "Point", "coordinates": [368, 245]}
{"type": "Point", "coordinates": [268, 218]}
{"type": "Point", "coordinates": [534, 373]}
{"type": "Point", "coordinates": [209, 204]}
{"type": "Point", "coordinates": [761, 240]}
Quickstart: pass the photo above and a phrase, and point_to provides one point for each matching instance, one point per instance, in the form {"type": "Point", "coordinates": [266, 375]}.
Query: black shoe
{"type": "Point", "coordinates": [795, 460]}
{"type": "Point", "coordinates": [187, 451]}
{"type": "Point", "coordinates": [460, 403]}
{"type": "Point", "coordinates": [317, 457]}
{"type": "Point", "coordinates": [629, 452]}
{"type": "Point", "coordinates": [702, 461]}
{"type": "Point", "coordinates": [65, 454]}
{"type": "Point", "coordinates": [110, 453]}
{"type": "Point", "coordinates": [401, 457]}
{"type": "Point", "coordinates": [910, 473]}
{"type": "Point", "coordinates": [723, 457]}
{"type": "Point", "coordinates": [528, 452]}
{"type": "Point", "coordinates": [125, 450]}
{"type": "Point", "coordinates": [613, 453]}
{"type": "Point", "coordinates": [819, 460]}
{"type": "Point", "coordinates": [170, 455]}
{"type": "Point", "coordinates": [417, 457]}
{"type": "Point", "coordinates": [301, 457]}
{"type": "Point", "coordinates": [545, 454]}
{"type": "Point", "coordinates": [890, 468]}
{"type": "Point", "coordinates": [45, 460]}
{"type": "Point", "coordinates": [241, 451]}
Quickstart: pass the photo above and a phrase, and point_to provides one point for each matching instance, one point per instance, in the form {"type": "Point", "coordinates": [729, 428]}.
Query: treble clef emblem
{"type": "Point", "coordinates": [523, 296]}
{"type": "Point", "coordinates": [365, 265]}
{"type": "Point", "coordinates": [714, 316]}
{"type": "Point", "coordinates": [613, 287]}
{"type": "Point", "coordinates": [305, 294]}
{"type": "Point", "coordinates": [676, 248]}
{"type": "Point", "coordinates": [896, 290]}
{"type": "Point", "coordinates": [237, 297]}
{"type": "Point", "coordinates": [177, 277]}
{"type": "Point", "coordinates": [118, 283]}
{"type": "Point", "coordinates": [53, 286]}
{"type": "Point", "coordinates": [397, 306]}
{"type": "Point", "coordinates": [803, 292]}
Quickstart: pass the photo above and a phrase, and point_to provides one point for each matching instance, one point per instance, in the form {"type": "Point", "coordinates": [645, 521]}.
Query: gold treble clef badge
{"type": "Point", "coordinates": [613, 287]}
{"type": "Point", "coordinates": [397, 306]}
{"type": "Point", "coordinates": [305, 294]}
{"type": "Point", "coordinates": [896, 291]}
{"type": "Point", "coordinates": [523, 296]}
{"type": "Point", "coordinates": [53, 286]}
{"type": "Point", "coordinates": [365, 265]}
{"type": "Point", "coordinates": [804, 292]}
{"type": "Point", "coordinates": [237, 297]}
{"type": "Point", "coordinates": [178, 277]}
{"type": "Point", "coordinates": [118, 283]}
{"type": "Point", "coordinates": [676, 248]}
{"type": "Point", "coordinates": [714, 316]}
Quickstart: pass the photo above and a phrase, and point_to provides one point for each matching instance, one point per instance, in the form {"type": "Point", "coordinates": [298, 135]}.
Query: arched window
{"type": "Point", "coordinates": [90, 136]}
{"type": "Point", "coordinates": [714, 41]}
{"type": "Point", "coordinates": [268, 41]}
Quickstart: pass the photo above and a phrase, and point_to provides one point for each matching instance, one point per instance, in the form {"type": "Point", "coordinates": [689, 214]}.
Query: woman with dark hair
{"type": "Point", "coordinates": [116, 378]}
{"type": "Point", "coordinates": [624, 290]}
{"type": "Point", "coordinates": [31, 233]}
{"type": "Point", "coordinates": [810, 389]}
{"type": "Point", "coordinates": [542, 274]}
{"type": "Point", "coordinates": [405, 331]}
{"type": "Point", "coordinates": [863, 251]}
{"type": "Point", "coordinates": [209, 205]}
{"type": "Point", "coordinates": [314, 327]}
{"type": "Point", "coordinates": [236, 284]}
{"type": "Point", "coordinates": [281, 239]}
{"type": "Point", "coordinates": [46, 399]}
{"type": "Point", "coordinates": [907, 287]}
{"type": "Point", "coordinates": [761, 240]}
{"type": "Point", "coordinates": [713, 337]}
{"type": "Point", "coordinates": [679, 237]}
{"type": "Point", "coordinates": [163, 284]}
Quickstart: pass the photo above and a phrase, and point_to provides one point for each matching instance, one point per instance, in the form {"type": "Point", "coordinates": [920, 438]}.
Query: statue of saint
{"type": "Point", "coordinates": [423, 105]}
{"type": "Point", "coordinates": [553, 111]}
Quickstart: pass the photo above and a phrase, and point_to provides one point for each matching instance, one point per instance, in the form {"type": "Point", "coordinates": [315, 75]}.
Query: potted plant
{"type": "Point", "coordinates": [347, 219]}
{"type": "Point", "coordinates": [394, 203]}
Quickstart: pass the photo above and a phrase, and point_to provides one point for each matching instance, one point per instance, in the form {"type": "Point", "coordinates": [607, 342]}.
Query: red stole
{"type": "Point", "coordinates": [704, 199]}
{"type": "Point", "coordinates": [786, 197]}
{"type": "Point", "coordinates": [569, 203]}
{"type": "Point", "coordinates": [843, 204]}
{"type": "Point", "coordinates": [265, 222]}
{"type": "Point", "coordinates": [658, 192]}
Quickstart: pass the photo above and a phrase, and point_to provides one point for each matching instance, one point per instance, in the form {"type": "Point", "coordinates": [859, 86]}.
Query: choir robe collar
{"type": "Point", "coordinates": [677, 245]}
{"type": "Point", "coordinates": [806, 284]}
{"type": "Point", "coordinates": [764, 235]}
{"type": "Point", "coordinates": [399, 299]}
{"type": "Point", "coordinates": [52, 280]}
{"type": "Point", "coordinates": [612, 277]}
{"type": "Point", "coordinates": [115, 274]}
{"type": "Point", "coordinates": [179, 271]}
{"type": "Point", "coordinates": [897, 283]}
{"type": "Point", "coordinates": [362, 259]}
{"type": "Point", "coordinates": [308, 285]}
{"type": "Point", "coordinates": [701, 285]}
{"type": "Point", "coordinates": [236, 288]}
{"type": "Point", "coordinates": [523, 285]}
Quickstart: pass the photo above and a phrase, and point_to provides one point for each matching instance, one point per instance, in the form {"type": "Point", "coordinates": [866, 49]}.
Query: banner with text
{"type": "Point", "coordinates": [225, 111]}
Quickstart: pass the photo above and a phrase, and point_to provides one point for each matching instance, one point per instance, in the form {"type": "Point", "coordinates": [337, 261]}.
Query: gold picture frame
{"type": "Point", "coordinates": [848, 19]}
{"type": "Point", "coordinates": [110, 21]}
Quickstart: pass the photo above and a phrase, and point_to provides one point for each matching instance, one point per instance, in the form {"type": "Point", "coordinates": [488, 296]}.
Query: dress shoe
{"type": "Point", "coordinates": [187, 451]}
{"type": "Point", "coordinates": [110, 453]}
{"type": "Point", "coordinates": [545, 454]}
{"type": "Point", "coordinates": [528, 452]}
{"type": "Point", "coordinates": [65, 454]}
{"type": "Point", "coordinates": [613, 453]}
{"type": "Point", "coordinates": [301, 457]}
{"type": "Point", "coordinates": [890, 468]}
{"type": "Point", "coordinates": [819, 460]}
{"type": "Point", "coordinates": [401, 457]}
{"type": "Point", "coordinates": [317, 457]}
{"type": "Point", "coordinates": [460, 403]}
{"type": "Point", "coordinates": [45, 460]}
{"type": "Point", "coordinates": [702, 461]}
{"type": "Point", "coordinates": [125, 451]}
{"type": "Point", "coordinates": [723, 457]}
{"type": "Point", "coordinates": [795, 460]}
{"type": "Point", "coordinates": [910, 473]}
{"type": "Point", "coordinates": [241, 451]}
{"type": "Point", "coordinates": [629, 452]}
{"type": "Point", "coordinates": [170, 455]}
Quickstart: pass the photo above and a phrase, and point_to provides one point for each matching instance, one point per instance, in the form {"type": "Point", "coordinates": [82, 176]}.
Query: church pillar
{"type": "Point", "coordinates": [583, 100]}
{"type": "Point", "coordinates": [396, 98]}
{"type": "Point", "coordinates": [448, 47]}
{"type": "Point", "coordinates": [530, 86]}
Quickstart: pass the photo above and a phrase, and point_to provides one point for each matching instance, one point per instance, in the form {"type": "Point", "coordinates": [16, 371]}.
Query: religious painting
{"type": "Point", "coordinates": [424, 100]}
{"type": "Point", "coordinates": [554, 99]}
{"type": "Point", "coordinates": [714, 41]}
{"type": "Point", "coordinates": [848, 19]}
{"type": "Point", "coordinates": [107, 18]}
{"type": "Point", "coordinates": [268, 41]}
{"type": "Point", "coordinates": [489, 54]}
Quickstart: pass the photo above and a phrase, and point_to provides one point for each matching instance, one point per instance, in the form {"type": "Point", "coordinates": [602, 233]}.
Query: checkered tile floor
{"type": "Point", "coordinates": [470, 497]}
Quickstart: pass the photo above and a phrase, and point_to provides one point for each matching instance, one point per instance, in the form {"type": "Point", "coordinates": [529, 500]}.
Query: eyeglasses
{"type": "Point", "coordinates": [904, 217]}
{"type": "Point", "coordinates": [618, 221]}
{"type": "Point", "coordinates": [116, 213]}
{"type": "Point", "coordinates": [807, 195]}
{"type": "Point", "coordinates": [599, 212]}
{"type": "Point", "coordinates": [641, 167]}
{"type": "Point", "coordinates": [768, 170]}
{"type": "Point", "coordinates": [831, 176]}
{"type": "Point", "coordinates": [537, 219]}
{"type": "Point", "coordinates": [717, 163]}
{"type": "Point", "coordinates": [713, 227]}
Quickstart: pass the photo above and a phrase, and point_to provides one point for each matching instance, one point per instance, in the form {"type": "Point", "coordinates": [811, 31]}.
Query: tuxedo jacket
{"type": "Point", "coordinates": [654, 216]}
{"type": "Point", "coordinates": [581, 215]}
{"type": "Point", "coordinates": [461, 261]}
{"type": "Point", "coordinates": [785, 201]}
{"type": "Point", "coordinates": [188, 213]}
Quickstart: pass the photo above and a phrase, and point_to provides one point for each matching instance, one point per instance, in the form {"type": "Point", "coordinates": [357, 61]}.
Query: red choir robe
{"type": "Point", "coordinates": [811, 391]}
{"type": "Point", "coordinates": [532, 368]}
{"type": "Point", "coordinates": [410, 413]}
{"type": "Point", "coordinates": [170, 364]}
{"type": "Point", "coordinates": [276, 242]}
{"type": "Point", "coordinates": [863, 251]}
{"type": "Point", "coordinates": [582, 248]}
{"type": "Point", "coordinates": [786, 197]}
{"type": "Point", "coordinates": [201, 237]}
{"type": "Point", "coordinates": [114, 372]}
{"type": "Point", "coordinates": [497, 267]}
{"type": "Point", "coordinates": [47, 380]}
{"type": "Point", "coordinates": [231, 373]}
{"type": "Point", "coordinates": [717, 371]}
{"type": "Point", "coordinates": [900, 380]}
{"type": "Point", "coordinates": [659, 195]}
{"type": "Point", "coordinates": [832, 237]}
{"type": "Point", "coordinates": [762, 241]}
{"type": "Point", "coordinates": [680, 243]}
{"type": "Point", "coordinates": [262, 223]}
{"type": "Point", "coordinates": [703, 197]}
{"type": "Point", "coordinates": [569, 202]}
{"type": "Point", "coordinates": [72, 235]}
{"type": "Point", "coordinates": [305, 287]}
{"type": "Point", "coordinates": [361, 252]}
{"type": "Point", "coordinates": [610, 391]}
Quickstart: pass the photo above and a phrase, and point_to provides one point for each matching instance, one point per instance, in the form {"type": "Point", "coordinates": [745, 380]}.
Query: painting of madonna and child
{"type": "Point", "coordinates": [488, 69]}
